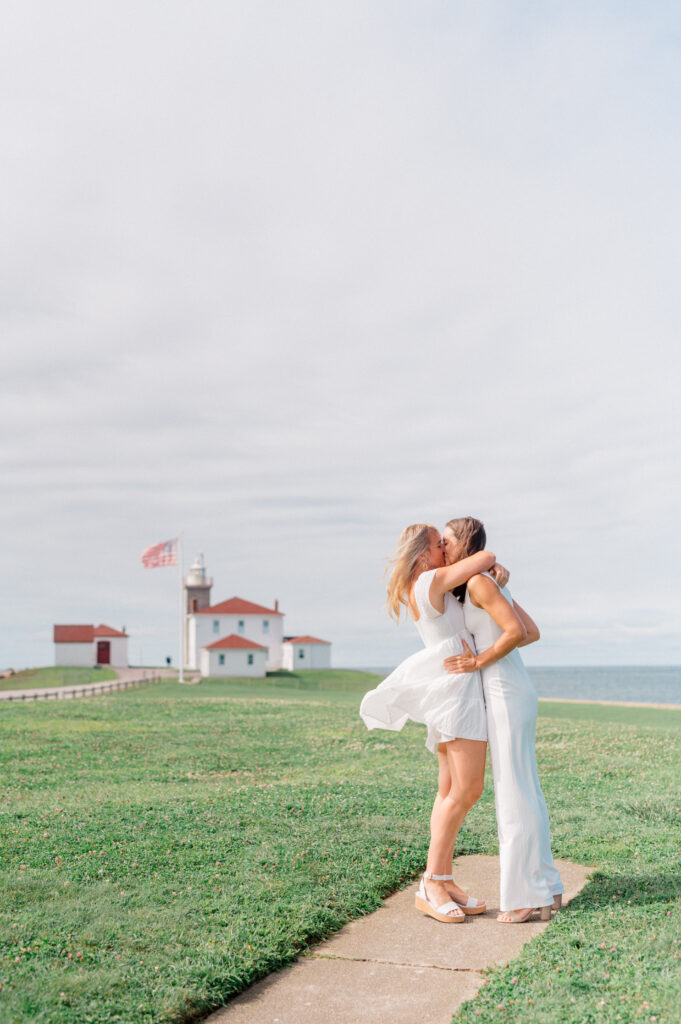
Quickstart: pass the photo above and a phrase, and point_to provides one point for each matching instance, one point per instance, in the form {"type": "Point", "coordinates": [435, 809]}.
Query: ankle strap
{"type": "Point", "coordinates": [438, 878]}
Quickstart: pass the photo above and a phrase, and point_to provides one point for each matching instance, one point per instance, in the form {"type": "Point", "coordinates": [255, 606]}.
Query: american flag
{"type": "Point", "coordinates": [161, 554]}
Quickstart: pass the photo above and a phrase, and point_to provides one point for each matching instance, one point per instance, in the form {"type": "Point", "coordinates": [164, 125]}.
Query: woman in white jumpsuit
{"type": "Point", "coordinates": [529, 878]}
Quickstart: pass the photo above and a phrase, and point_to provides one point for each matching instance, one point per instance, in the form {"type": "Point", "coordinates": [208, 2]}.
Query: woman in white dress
{"type": "Point", "coordinates": [421, 690]}
{"type": "Point", "coordinates": [529, 879]}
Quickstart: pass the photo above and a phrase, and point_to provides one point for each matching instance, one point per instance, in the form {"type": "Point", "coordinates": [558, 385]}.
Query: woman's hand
{"type": "Point", "coordinates": [500, 573]}
{"type": "Point", "coordinates": [461, 663]}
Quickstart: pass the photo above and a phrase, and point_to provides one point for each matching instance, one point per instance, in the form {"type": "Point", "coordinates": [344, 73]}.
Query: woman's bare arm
{"type": "Point", "coordinates": [450, 576]}
{"type": "Point", "coordinates": [486, 594]}
{"type": "Point", "coordinates": [531, 627]}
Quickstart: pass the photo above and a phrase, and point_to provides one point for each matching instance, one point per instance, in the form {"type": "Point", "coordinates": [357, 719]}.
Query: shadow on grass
{"type": "Point", "coordinates": [606, 889]}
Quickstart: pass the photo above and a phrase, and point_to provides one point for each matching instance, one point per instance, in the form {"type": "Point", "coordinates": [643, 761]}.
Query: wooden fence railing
{"type": "Point", "coordinates": [64, 693]}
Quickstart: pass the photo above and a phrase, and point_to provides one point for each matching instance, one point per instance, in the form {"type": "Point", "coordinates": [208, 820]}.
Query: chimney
{"type": "Point", "coordinates": [276, 604]}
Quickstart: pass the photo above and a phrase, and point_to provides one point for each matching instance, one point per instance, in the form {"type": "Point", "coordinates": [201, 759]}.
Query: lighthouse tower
{"type": "Point", "coordinates": [197, 588]}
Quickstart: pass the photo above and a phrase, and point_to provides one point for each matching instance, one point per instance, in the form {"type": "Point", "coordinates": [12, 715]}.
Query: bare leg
{"type": "Point", "coordinates": [473, 781]}
{"type": "Point", "coordinates": [444, 784]}
{"type": "Point", "coordinates": [460, 782]}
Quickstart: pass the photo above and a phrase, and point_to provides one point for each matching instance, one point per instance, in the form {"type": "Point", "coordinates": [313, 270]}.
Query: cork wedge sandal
{"type": "Point", "coordinates": [448, 913]}
{"type": "Point", "coordinates": [472, 906]}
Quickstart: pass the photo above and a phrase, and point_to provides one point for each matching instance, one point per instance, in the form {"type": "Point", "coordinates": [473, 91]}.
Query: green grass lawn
{"type": "Point", "coordinates": [164, 847]}
{"type": "Point", "coordinates": [35, 678]}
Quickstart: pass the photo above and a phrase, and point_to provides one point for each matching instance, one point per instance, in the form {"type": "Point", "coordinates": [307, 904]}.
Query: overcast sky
{"type": "Point", "coordinates": [289, 276]}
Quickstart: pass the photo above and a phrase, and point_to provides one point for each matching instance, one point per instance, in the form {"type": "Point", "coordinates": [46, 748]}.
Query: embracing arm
{"type": "Point", "coordinates": [531, 627]}
{"type": "Point", "coordinates": [486, 594]}
{"type": "Point", "coordinates": [450, 576]}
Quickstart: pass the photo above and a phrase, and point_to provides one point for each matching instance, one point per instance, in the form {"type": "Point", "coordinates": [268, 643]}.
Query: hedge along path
{"type": "Point", "coordinates": [397, 966]}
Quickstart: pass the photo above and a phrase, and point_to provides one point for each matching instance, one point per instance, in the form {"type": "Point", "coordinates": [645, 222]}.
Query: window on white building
{"type": "Point", "coordinates": [250, 659]}
{"type": "Point", "coordinates": [216, 625]}
{"type": "Point", "coordinates": [301, 652]}
{"type": "Point", "coordinates": [265, 625]}
{"type": "Point", "coordinates": [221, 659]}
{"type": "Point", "coordinates": [241, 626]}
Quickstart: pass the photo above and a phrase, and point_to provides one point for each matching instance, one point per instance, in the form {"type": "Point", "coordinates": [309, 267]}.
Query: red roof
{"type": "Point", "coordinates": [82, 634]}
{"type": "Point", "coordinates": [108, 631]}
{"type": "Point", "coordinates": [305, 640]}
{"type": "Point", "coordinates": [237, 606]}
{"type": "Point", "coordinates": [73, 634]}
{"type": "Point", "coordinates": [234, 642]}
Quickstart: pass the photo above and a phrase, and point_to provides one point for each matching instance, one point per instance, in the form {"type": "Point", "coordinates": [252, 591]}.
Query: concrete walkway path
{"type": "Point", "coordinates": [126, 676]}
{"type": "Point", "coordinates": [396, 966]}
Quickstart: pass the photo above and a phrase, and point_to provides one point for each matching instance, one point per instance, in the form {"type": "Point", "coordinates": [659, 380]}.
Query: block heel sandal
{"type": "Point", "coordinates": [518, 917]}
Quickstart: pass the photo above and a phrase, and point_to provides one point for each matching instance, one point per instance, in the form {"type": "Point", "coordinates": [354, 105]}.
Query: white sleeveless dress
{"type": "Point", "coordinates": [452, 707]}
{"type": "Point", "coordinates": [529, 877]}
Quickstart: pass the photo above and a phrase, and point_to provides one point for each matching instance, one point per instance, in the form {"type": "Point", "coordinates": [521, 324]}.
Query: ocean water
{"type": "Point", "coordinates": [655, 684]}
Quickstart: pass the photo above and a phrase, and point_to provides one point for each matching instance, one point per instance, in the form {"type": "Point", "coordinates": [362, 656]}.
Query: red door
{"type": "Point", "coordinates": [103, 652]}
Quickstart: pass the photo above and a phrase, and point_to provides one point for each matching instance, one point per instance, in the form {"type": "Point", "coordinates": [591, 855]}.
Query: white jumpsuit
{"type": "Point", "coordinates": [529, 877]}
{"type": "Point", "coordinates": [419, 689]}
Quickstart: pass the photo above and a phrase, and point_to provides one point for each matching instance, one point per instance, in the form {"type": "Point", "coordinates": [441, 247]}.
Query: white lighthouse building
{"type": "Point", "coordinates": [239, 618]}
{"type": "Point", "coordinates": [236, 637]}
{"type": "Point", "coordinates": [197, 588]}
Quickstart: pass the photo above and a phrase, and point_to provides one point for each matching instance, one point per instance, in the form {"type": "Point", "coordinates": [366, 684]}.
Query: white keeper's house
{"type": "Point", "coordinates": [90, 645]}
{"type": "Point", "coordinates": [240, 638]}
{"type": "Point", "coordinates": [306, 652]}
{"type": "Point", "coordinates": [233, 656]}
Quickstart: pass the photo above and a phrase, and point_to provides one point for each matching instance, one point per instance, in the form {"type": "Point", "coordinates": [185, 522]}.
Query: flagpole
{"type": "Point", "coordinates": [180, 562]}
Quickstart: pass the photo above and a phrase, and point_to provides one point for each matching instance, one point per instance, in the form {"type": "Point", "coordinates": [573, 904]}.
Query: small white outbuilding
{"type": "Point", "coordinates": [90, 645]}
{"type": "Point", "coordinates": [234, 656]}
{"type": "Point", "coordinates": [305, 652]}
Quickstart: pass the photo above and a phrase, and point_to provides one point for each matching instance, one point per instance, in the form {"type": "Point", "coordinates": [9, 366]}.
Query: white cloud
{"type": "Point", "coordinates": [291, 277]}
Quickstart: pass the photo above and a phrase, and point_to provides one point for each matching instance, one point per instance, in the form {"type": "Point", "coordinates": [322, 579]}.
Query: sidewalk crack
{"type": "Point", "coordinates": [395, 963]}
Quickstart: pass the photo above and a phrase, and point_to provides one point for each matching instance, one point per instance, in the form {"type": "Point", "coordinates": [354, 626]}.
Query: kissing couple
{"type": "Point", "coordinates": [470, 688]}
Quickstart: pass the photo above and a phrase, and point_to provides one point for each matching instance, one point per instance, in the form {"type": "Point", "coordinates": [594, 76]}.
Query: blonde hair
{"type": "Point", "coordinates": [414, 540]}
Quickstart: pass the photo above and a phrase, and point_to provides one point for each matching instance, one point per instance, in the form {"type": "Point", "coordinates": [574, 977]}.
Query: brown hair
{"type": "Point", "coordinates": [414, 540]}
{"type": "Point", "coordinates": [470, 533]}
